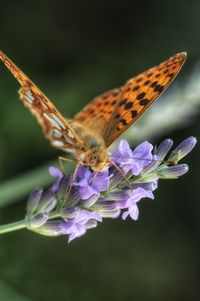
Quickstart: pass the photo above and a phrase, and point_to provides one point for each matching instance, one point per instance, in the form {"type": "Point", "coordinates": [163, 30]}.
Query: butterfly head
{"type": "Point", "coordinates": [96, 158]}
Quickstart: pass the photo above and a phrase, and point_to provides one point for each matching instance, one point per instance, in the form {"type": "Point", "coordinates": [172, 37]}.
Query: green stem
{"type": "Point", "coordinates": [22, 224]}
{"type": "Point", "coordinates": [13, 226]}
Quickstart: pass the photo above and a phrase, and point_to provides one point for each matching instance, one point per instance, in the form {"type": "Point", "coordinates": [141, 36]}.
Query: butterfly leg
{"type": "Point", "coordinates": [72, 180]}
{"type": "Point", "coordinates": [60, 159]}
{"type": "Point", "coordinates": [122, 174]}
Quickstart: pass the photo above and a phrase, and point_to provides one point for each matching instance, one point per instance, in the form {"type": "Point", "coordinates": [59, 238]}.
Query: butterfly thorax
{"type": "Point", "coordinates": [93, 153]}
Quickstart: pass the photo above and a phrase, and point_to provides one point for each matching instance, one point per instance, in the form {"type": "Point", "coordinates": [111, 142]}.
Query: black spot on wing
{"type": "Point", "coordinates": [134, 113]}
{"type": "Point", "coordinates": [128, 105]}
{"type": "Point", "coordinates": [135, 88]}
{"type": "Point", "coordinates": [141, 95]}
{"type": "Point", "coordinates": [123, 102]}
{"type": "Point", "coordinates": [159, 88]}
{"type": "Point", "coordinates": [123, 121]}
{"type": "Point", "coordinates": [153, 84]}
{"type": "Point", "coordinates": [144, 102]}
{"type": "Point", "coordinates": [146, 83]}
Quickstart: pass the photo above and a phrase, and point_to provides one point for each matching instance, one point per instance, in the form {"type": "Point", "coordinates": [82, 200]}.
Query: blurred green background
{"type": "Point", "coordinates": [75, 50]}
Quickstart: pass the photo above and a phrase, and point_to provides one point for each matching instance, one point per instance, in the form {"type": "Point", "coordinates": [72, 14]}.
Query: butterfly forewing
{"type": "Point", "coordinates": [115, 111]}
{"type": "Point", "coordinates": [139, 93]}
{"type": "Point", "coordinates": [55, 126]}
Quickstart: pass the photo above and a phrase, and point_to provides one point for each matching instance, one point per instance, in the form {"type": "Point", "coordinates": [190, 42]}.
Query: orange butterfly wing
{"type": "Point", "coordinates": [97, 114]}
{"type": "Point", "coordinates": [54, 125]}
{"type": "Point", "coordinates": [115, 111]}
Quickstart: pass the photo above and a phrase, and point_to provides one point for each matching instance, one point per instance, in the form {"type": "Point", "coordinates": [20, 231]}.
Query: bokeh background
{"type": "Point", "coordinates": [75, 50]}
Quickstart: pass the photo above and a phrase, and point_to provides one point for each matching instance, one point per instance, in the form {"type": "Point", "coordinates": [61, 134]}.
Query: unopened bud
{"type": "Point", "coordinates": [38, 220]}
{"type": "Point", "coordinates": [183, 149]}
{"type": "Point", "coordinates": [33, 200]}
{"type": "Point", "coordinates": [172, 172]}
{"type": "Point", "coordinates": [51, 228]}
{"type": "Point", "coordinates": [69, 213]}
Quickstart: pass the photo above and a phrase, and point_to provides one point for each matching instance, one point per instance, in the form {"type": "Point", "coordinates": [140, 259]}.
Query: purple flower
{"type": "Point", "coordinates": [106, 194]}
{"type": "Point", "coordinates": [133, 160]}
{"type": "Point", "coordinates": [78, 226]}
{"type": "Point", "coordinates": [130, 203]}
{"type": "Point", "coordinates": [55, 172]}
{"type": "Point", "coordinates": [90, 183]}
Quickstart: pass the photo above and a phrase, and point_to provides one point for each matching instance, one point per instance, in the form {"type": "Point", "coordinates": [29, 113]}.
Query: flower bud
{"type": "Point", "coordinates": [38, 220]}
{"type": "Point", "coordinates": [110, 214]}
{"type": "Point", "coordinates": [150, 168]}
{"type": "Point", "coordinates": [149, 186]}
{"type": "Point", "coordinates": [50, 228]}
{"type": "Point", "coordinates": [73, 198]}
{"type": "Point", "coordinates": [63, 188]}
{"type": "Point", "coordinates": [33, 200]}
{"type": "Point", "coordinates": [172, 172]}
{"type": "Point", "coordinates": [163, 148]}
{"type": "Point", "coordinates": [47, 202]}
{"type": "Point", "coordinates": [107, 209]}
{"type": "Point", "coordinates": [183, 149]}
{"type": "Point", "coordinates": [118, 195]}
{"type": "Point", "coordinates": [69, 213]}
{"type": "Point", "coordinates": [91, 200]}
{"type": "Point", "coordinates": [159, 154]}
{"type": "Point", "coordinates": [116, 178]}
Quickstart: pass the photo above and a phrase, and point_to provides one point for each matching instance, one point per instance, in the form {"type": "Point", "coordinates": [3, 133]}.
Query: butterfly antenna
{"type": "Point", "coordinates": [157, 160]}
{"type": "Point", "coordinates": [121, 173]}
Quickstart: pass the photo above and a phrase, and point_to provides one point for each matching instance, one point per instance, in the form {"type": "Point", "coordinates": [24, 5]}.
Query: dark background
{"type": "Point", "coordinates": [74, 50]}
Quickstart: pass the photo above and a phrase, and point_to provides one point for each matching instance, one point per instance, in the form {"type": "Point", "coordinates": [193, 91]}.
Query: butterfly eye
{"type": "Point", "coordinates": [94, 157]}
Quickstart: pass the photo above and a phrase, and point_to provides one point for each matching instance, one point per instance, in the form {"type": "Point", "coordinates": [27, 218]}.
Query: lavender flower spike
{"type": "Point", "coordinates": [93, 197]}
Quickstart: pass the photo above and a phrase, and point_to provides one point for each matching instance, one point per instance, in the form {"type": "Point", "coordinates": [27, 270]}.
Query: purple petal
{"type": "Point", "coordinates": [91, 224]}
{"type": "Point", "coordinates": [131, 203]}
{"type": "Point", "coordinates": [142, 156]}
{"type": "Point", "coordinates": [123, 153]}
{"type": "Point", "coordinates": [55, 172]}
{"type": "Point", "coordinates": [87, 192]}
{"type": "Point", "coordinates": [135, 196]}
{"type": "Point", "coordinates": [86, 215]}
{"type": "Point", "coordinates": [82, 183]}
{"type": "Point", "coordinates": [78, 226]}
{"type": "Point", "coordinates": [101, 181]}
{"type": "Point", "coordinates": [80, 230]}
{"type": "Point", "coordinates": [83, 173]}
{"type": "Point", "coordinates": [133, 211]}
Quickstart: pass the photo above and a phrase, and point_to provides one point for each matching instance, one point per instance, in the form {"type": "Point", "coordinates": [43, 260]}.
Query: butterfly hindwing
{"type": "Point", "coordinates": [97, 114]}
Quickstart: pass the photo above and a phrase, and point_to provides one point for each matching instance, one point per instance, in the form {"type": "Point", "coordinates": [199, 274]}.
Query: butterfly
{"type": "Point", "coordinates": [89, 134]}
